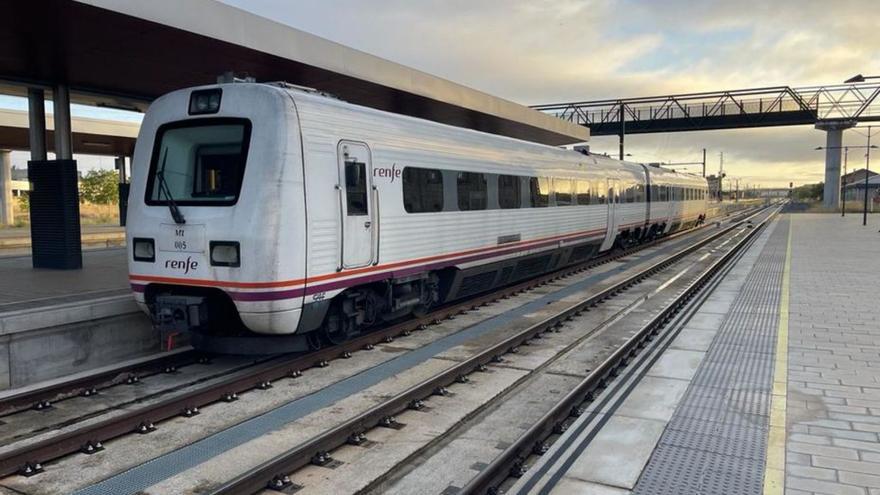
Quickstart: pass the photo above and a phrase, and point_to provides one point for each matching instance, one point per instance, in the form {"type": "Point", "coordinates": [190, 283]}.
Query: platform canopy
{"type": "Point", "coordinates": [123, 54]}
{"type": "Point", "coordinates": [89, 136]}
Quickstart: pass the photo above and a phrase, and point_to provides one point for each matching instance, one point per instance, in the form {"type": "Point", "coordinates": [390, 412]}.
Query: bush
{"type": "Point", "coordinates": [100, 187]}
{"type": "Point", "coordinates": [24, 203]}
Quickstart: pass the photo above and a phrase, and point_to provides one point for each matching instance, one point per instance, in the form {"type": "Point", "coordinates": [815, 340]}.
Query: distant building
{"type": "Point", "coordinates": [20, 184]}
{"type": "Point", "coordinates": [714, 183]}
{"type": "Point", "coordinates": [855, 191]}
{"type": "Point", "coordinates": [856, 176]}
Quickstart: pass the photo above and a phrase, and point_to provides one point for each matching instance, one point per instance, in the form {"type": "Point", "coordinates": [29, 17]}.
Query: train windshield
{"type": "Point", "coordinates": [198, 162]}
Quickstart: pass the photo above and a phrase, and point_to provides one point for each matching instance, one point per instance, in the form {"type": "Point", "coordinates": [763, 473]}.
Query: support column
{"type": "Point", "coordinates": [54, 196]}
{"type": "Point", "coordinates": [7, 216]}
{"type": "Point", "coordinates": [123, 190]}
{"type": "Point", "coordinates": [833, 148]}
{"type": "Point", "coordinates": [37, 123]}
{"type": "Point", "coordinates": [61, 106]}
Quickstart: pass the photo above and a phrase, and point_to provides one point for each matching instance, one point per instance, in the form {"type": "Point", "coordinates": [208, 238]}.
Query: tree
{"type": "Point", "coordinates": [809, 192]}
{"type": "Point", "coordinates": [100, 187]}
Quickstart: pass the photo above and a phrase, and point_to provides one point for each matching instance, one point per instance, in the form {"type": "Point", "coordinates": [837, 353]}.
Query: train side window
{"type": "Point", "coordinates": [472, 189]}
{"type": "Point", "coordinates": [640, 193]}
{"type": "Point", "coordinates": [509, 191]}
{"type": "Point", "coordinates": [599, 192]}
{"type": "Point", "coordinates": [356, 188]}
{"type": "Point", "coordinates": [630, 194]}
{"type": "Point", "coordinates": [539, 192]}
{"type": "Point", "coordinates": [422, 190]}
{"type": "Point", "coordinates": [583, 192]}
{"type": "Point", "coordinates": [562, 190]}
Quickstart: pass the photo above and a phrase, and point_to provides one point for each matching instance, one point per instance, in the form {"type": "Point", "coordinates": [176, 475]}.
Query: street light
{"type": "Point", "coordinates": [859, 78]}
{"type": "Point", "coordinates": [845, 159]}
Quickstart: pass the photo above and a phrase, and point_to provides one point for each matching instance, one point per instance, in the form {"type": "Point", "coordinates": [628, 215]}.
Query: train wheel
{"type": "Point", "coordinates": [339, 327]}
{"type": "Point", "coordinates": [314, 341]}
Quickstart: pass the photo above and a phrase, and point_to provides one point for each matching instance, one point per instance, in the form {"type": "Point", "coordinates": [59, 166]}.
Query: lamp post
{"type": "Point", "coordinates": [867, 170]}
{"type": "Point", "coordinates": [859, 78]}
{"type": "Point", "coordinates": [845, 159]}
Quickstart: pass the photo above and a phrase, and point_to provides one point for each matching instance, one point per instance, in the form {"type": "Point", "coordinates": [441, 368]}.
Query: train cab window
{"type": "Point", "coordinates": [422, 190]}
{"type": "Point", "coordinates": [472, 191]}
{"type": "Point", "coordinates": [509, 191]}
{"type": "Point", "coordinates": [582, 191]}
{"type": "Point", "coordinates": [355, 188]}
{"type": "Point", "coordinates": [199, 162]}
{"type": "Point", "coordinates": [562, 190]}
{"type": "Point", "coordinates": [539, 192]}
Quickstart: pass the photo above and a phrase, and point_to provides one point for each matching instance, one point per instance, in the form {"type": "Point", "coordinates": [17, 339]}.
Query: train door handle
{"type": "Point", "coordinates": [367, 224]}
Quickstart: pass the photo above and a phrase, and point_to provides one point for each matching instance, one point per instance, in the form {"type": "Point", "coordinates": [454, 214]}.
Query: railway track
{"type": "Point", "coordinates": [276, 473]}
{"type": "Point", "coordinates": [29, 459]}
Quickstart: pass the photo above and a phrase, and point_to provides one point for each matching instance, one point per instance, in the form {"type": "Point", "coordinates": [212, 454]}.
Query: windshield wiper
{"type": "Point", "coordinates": [163, 189]}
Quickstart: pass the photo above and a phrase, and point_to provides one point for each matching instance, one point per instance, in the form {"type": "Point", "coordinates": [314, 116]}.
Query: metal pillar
{"type": "Point", "coordinates": [37, 123]}
{"type": "Point", "coordinates": [7, 216]}
{"type": "Point", "coordinates": [61, 106]}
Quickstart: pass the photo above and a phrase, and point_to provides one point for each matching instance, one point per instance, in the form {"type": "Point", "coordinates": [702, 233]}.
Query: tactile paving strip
{"type": "Point", "coordinates": [716, 442]}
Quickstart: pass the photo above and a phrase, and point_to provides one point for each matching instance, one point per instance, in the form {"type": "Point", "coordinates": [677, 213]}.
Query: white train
{"type": "Point", "coordinates": [278, 210]}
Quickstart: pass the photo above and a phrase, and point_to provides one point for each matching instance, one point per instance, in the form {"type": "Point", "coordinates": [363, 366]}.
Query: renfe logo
{"type": "Point", "coordinates": [186, 265]}
{"type": "Point", "coordinates": [392, 172]}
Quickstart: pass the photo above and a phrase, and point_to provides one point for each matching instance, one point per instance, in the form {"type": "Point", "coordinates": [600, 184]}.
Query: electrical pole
{"type": "Point", "coordinates": [721, 177]}
{"type": "Point", "coordinates": [622, 129]}
{"type": "Point", "coordinates": [843, 187]}
{"type": "Point", "coordinates": [704, 162]}
{"type": "Point", "coordinates": [867, 171]}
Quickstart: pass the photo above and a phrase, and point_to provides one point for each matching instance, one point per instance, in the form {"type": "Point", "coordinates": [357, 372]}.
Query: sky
{"type": "Point", "coordinates": [545, 51]}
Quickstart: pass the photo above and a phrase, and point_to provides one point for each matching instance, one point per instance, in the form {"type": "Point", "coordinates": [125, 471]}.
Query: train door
{"type": "Point", "coordinates": [611, 222]}
{"type": "Point", "coordinates": [356, 201]}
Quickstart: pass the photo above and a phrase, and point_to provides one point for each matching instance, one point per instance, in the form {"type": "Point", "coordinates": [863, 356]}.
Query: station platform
{"type": "Point", "coordinates": [56, 322]}
{"type": "Point", "coordinates": [773, 386]}
{"type": "Point", "coordinates": [16, 241]}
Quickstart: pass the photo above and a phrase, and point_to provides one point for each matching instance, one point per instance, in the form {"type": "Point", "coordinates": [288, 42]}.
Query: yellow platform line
{"type": "Point", "coordinates": [774, 470]}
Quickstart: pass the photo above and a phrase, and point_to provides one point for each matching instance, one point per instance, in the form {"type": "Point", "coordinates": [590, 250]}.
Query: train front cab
{"type": "Point", "coordinates": [216, 229]}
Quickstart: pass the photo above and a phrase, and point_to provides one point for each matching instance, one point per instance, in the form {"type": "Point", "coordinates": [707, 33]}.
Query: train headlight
{"type": "Point", "coordinates": [205, 101]}
{"type": "Point", "coordinates": [144, 249]}
{"type": "Point", "coordinates": [225, 253]}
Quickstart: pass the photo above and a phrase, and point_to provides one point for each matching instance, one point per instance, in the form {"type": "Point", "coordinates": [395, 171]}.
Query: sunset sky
{"type": "Point", "coordinates": [546, 51]}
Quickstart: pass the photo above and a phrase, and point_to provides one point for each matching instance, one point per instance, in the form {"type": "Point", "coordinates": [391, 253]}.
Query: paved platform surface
{"type": "Point", "coordinates": [833, 403]}
{"type": "Point", "coordinates": [773, 387]}
{"type": "Point", "coordinates": [104, 273]}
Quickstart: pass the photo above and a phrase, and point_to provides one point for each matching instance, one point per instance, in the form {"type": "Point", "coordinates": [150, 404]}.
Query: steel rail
{"type": "Point", "coordinates": [40, 398]}
{"type": "Point", "coordinates": [511, 461]}
{"type": "Point", "coordinates": [274, 473]}
{"type": "Point", "coordinates": [28, 459]}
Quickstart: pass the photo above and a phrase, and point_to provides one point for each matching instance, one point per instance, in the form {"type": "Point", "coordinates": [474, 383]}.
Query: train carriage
{"type": "Point", "coordinates": [270, 209]}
